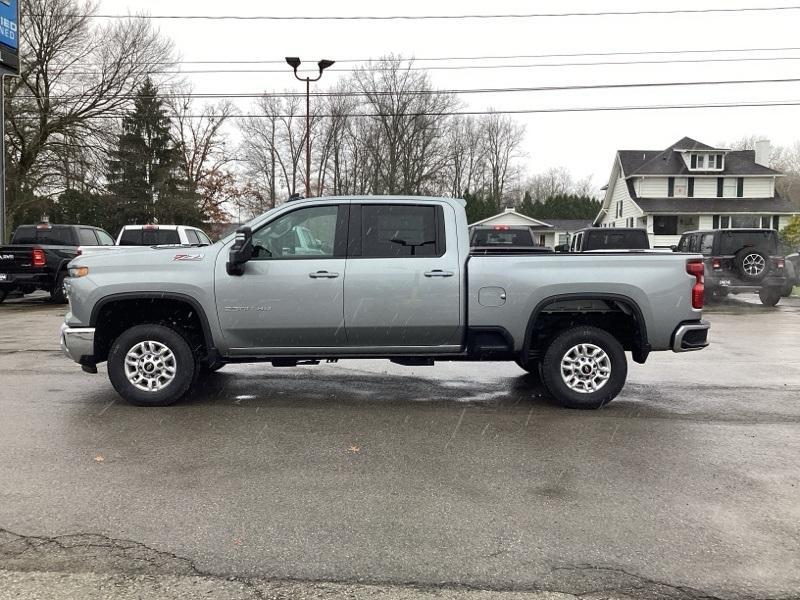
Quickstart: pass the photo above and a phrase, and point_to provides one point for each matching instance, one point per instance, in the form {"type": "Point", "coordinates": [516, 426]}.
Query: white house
{"type": "Point", "coordinates": [545, 233]}
{"type": "Point", "coordinates": [692, 186]}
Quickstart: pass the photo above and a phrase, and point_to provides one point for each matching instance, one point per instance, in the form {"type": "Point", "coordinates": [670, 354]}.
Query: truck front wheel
{"type": "Point", "coordinates": [584, 367]}
{"type": "Point", "coordinates": [151, 365]}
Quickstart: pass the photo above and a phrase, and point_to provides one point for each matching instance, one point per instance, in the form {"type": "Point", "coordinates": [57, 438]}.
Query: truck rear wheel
{"type": "Point", "coordinates": [58, 294]}
{"type": "Point", "coordinates": [151, 365]}
{"type": "Point", "coordinates": [584, 367]}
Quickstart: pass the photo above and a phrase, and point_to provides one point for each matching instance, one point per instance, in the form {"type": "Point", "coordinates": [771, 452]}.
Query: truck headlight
{"type": "Point", "coordinates": [76, 272]}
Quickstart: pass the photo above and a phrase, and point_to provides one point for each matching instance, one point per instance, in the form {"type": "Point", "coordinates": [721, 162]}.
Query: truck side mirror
{"type": "Point", "coordinates": [673, 248]}
{"type": "Point", "coordinates": [241, 251]}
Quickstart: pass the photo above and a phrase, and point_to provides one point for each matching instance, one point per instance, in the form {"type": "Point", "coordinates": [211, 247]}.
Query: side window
{"type": "Point", "coordinates": [105, 239]}
{"type": "Point", "coordinates": [204, 239]}
{"type": "Point", "coordinates": [86, 237]}
{"type": "Point", "coordinates": [191, 236]}
{"type": "Point", "coordinates": [304, 233]}
{"type": "Point", "coordinates": [707, 245]}
{"type": "Point", "coordinates": [131, 237]}
{"type": "Point", "coordinates": [683, 245]}
{"type": "Point", "coordinates": [393, 231]}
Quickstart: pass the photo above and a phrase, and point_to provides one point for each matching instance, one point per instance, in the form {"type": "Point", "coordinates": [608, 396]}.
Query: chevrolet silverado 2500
{"type": "Point", "coordinates": [367, 277]}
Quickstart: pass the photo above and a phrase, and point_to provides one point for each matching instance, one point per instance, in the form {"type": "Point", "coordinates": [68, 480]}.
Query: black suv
{"type": "Point", "coordinates": [739, 261]}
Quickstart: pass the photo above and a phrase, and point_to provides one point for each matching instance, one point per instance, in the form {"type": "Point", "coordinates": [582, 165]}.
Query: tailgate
{"type": "Point", "coordinates": [16, 259]}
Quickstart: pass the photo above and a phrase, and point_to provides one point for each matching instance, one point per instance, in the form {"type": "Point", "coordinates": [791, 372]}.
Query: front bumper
{"type": "Point", "coordinates": [691, 335]}
{"type": "Point", "coordinates": [77, 343]}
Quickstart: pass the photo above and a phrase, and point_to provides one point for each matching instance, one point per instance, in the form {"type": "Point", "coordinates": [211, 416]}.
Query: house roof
{"type": "Point", "coordinates": [569, 224]}
{"type": "Point", "coordinates": [536, 224]}
{"type": "Point", "coordinates": [670, 162]}
{"type": "Point", "coordinates": [776, 205]}
{"type": "Point", "coordinates": [510, 212]}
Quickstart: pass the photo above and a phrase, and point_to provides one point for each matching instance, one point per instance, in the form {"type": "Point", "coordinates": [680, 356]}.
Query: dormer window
{"type": "Point", "coordinates": [701, 161]}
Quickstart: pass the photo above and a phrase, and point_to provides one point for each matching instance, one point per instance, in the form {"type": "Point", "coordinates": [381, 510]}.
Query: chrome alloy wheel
{"type": "Point", "coordinates": [150, 366]}
{"type": "Point", "coordinates": [753, 264]}
{"type": "Point", "coordinates": [585, 368]}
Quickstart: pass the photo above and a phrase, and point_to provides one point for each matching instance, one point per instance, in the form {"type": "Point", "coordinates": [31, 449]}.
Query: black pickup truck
{"type": "Point", "coordinates": [38, 256]}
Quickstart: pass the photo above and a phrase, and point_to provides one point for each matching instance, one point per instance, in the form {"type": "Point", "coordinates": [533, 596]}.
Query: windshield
{"type": "Point", "coordinates": [511, 237]}
{"type": "Point", "coordinates": [56, 235]}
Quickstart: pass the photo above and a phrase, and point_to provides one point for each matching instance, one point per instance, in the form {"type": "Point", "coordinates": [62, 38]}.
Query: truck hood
{"type": "Point", "coordinates": [135, 256]}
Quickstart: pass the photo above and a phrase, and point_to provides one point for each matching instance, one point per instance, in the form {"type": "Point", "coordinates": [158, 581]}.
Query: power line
{"type": "Point", "coordinates": [541, 15]}
{"type": "Point", "coordinates": [351, 94]}
{"type": "Point", "coordinates": [755, 104]}
{"type": "Point", "coordinates": [492, 57]}
{"type": "Point", "coordinates": [471, 67]}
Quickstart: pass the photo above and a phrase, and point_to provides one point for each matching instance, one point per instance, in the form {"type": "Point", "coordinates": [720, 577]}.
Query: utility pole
{"type": "Point", "coordinates": [294, 62]}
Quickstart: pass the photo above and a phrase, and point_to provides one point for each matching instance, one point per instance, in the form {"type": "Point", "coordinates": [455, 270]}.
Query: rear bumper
{"type": "Point", "coordinates": [691, 335]}
{"type": "Point", "coordinates": [77, 343]}
{"type": "Point", "coordinates": [26, 280]}
{"type": "Point", "coordinates": [732, 284]}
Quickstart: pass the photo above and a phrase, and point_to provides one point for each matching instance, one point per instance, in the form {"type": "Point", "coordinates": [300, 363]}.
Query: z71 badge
{"type": "Point", "coordinates": [182, 257]}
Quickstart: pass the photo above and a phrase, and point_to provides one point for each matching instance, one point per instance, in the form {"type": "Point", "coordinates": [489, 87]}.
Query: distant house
{"type": "Point", "coordinates": [689, 186]}
{"type": "Point", "coordinates": [551, 232]}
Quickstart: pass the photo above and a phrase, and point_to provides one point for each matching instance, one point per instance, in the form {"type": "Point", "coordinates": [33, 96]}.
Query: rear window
{"type": "Point", "coordinates": [149, 237]}
{"type": "Point", "coordinates": [57, 235]}
{"type": "Point", "coordinates": [730, 242]}
{"type": "Point", "coordinates": [390, 231]}
{"type": "Point", "coordinates": [510, 237]}
{"type": "Point", "coordinates": [616, 240]}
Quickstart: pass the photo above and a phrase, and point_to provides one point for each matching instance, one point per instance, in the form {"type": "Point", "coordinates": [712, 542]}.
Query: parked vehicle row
{"type": "Point", "coordinates": [377, 277]}
{"type": "Point", "coordinates": [38, 255]}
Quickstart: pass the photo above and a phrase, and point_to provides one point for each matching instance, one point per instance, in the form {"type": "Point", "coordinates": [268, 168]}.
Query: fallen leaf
{"type": "Point", "coordinates": [354, 449]}
{"type": "Point", "coordinates": [99, 458]}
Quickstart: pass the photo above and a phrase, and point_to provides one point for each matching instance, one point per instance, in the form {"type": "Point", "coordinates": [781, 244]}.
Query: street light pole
{"type": "Point", "coordinates": [294, 62]}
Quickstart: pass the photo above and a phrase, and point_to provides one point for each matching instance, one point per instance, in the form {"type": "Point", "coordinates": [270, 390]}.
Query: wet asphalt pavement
{"type": "Point", "coordinates": [467, 475]}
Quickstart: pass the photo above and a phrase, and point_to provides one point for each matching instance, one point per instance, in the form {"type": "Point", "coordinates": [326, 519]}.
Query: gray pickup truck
{"type": "Point", "coordinates": [376, 277]}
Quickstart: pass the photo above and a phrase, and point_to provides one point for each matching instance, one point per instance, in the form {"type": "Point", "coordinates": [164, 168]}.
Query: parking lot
{"type": "Point", "coordinates": [463, 478]}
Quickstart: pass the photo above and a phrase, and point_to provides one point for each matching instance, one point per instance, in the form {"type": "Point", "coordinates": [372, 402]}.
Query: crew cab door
{"type": "Point", "coordinates": [403, 282]}
{"type": "Point", "coordinates": [290, 295]}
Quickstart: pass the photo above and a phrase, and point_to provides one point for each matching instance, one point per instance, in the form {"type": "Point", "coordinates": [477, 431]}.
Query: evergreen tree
{"type": "Point", "coordinates": [478, 208]}
{"type": "Point", "coordinates": [143, 176]}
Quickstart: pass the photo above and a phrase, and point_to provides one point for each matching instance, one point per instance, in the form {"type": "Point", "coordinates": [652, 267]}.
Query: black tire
{"type": "Point", "coordinates": [751, 264]}
{"type": "Point", "coordinates": [769, 296]}
{"type": "Point", "coordinates": [566, 343]}
{"type": "Point", "coordinates": [57, 294]}
{"type": "Point", "coordinates": [185, 364]}
{"type": "Point", "coordinates": [531, 366]}
{"type": "Point", "coordinates": [3, 295]}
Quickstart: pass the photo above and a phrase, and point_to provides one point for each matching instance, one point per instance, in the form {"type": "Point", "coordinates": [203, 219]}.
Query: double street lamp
{"type": "Point", "coordinates": [294, 62]}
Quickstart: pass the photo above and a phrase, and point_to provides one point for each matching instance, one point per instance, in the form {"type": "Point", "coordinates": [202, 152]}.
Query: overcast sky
{"type": "Point", "coordinates": [583, 142]}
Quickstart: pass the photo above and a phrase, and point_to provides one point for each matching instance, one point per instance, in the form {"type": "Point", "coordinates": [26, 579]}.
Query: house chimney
{"type": "Point", "coordinates": [763, 152]}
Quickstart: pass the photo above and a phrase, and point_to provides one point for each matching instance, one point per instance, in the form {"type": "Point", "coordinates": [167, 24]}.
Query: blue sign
{"type": "Point", "coordinates": [9, 31]}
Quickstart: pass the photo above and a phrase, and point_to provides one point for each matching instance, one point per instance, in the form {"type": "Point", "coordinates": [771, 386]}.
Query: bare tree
{"type": "Point", "coordinates": [406, 141]}
{"type": "Point", "coordinates": [204, 157]}
{"type": "Point", "coordinates": [73, 77]}
{"type": "Point", "coordinates": [503, 140]}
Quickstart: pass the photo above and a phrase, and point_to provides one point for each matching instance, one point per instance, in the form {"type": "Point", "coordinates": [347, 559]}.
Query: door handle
{"type": "Point", "coordinates": [323, 275]}
{"type": "Point", "coordinates": [438, 273]}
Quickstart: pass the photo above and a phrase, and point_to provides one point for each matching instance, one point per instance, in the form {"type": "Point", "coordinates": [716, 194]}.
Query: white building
{"type": "Point", "coordinates": [692, 186]}
{"type": "Point", "coordinates": [550, 233]}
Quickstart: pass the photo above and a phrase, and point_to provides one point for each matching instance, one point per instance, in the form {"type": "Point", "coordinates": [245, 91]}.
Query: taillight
{"type": "Point", "coordinates": [780, 263]}
{"type": "Point", "coordinates": [716, 263]}
{"type": "Point", "coordinates": [38, 258]}
{"type": "Point", "coordinates": [695, 267]}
